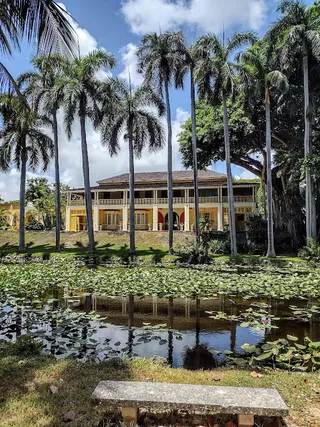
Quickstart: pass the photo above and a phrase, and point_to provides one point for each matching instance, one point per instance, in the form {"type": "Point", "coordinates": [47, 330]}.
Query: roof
{"type": "Point", "coordinates": [146, 177]}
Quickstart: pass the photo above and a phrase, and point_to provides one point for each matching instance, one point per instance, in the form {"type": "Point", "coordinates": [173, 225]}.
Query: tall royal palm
{"type": "Point", "coordinates": [80, 88]}
{"type": "Point", "coordinates": [43, 21]}
{"type": "Point", "coordinates": [23, 143]}
{"type": "Point", "coordinates": [258, 78]}
{"type": "Point", "coordinates": [215, 74]}
{"type": "Point", "coordinates": [188, 53]}
{"type": "Point", "coordinates": [47, 98]}
{"type": "Point", "coordinates": [160, 60]}
{"type": "Point", "coordinates": [131, 117]}
{"type": "Point", "coordinates": [299, 31]}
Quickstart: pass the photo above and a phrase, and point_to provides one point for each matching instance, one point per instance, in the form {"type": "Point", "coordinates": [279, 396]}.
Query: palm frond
{"type": "Point", "coordinates": [239, 40]}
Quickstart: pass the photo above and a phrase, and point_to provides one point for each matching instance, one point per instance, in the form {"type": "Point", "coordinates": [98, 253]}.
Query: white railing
{"type": "Point", "coordinates": [212, 199]}
{"type": "Point", "coordinates": [239, 199]}
{"type": "Point", "coordinates": [79, 202]}
{"type": "Point", "coordinates": [143, 201]}
{"type": "Point", "coordinates": [109, 202]}
{"type": "Point", "coordinates": [162, 201]}
{"type": "Point", "coordinates": [177, 200]}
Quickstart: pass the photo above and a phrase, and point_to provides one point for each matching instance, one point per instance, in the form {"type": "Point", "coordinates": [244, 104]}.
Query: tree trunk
{"type": "Point", "coordinates": [131, 190]}
{"type": "Point", "coordinates": [310, 211]}
{"type": "Point", "coordinates": [57, 179]}
{"type": "Point", "coordinates": [86, 179]}
{"type": "Point", "coordinates": [271, 251]}
{"type": "Point", "coordinates": [170, 190]}
{"type": "Point", "coordinates": [22, 199]}
{"type": "Point", "coordinates": [232, 219]}
{"type": "Point", "coordinates": [195, 157]}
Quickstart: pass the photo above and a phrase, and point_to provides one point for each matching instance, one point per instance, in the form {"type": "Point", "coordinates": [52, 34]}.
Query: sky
{"type": "Point", "coordinates": [117, 26]}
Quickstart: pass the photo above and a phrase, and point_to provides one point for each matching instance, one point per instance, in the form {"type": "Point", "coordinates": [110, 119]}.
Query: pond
{"type": "Point", "coordinates": [186, 332]}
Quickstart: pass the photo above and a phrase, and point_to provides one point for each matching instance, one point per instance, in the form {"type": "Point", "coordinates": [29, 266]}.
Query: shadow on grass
{"type": "Point", "coordinates": [109, 250]}
{"type": "Point", "coordinates": [26, 398]}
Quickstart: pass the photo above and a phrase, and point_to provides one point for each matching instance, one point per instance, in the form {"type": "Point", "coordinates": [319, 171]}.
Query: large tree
{"type": "Point", "coordinates": [215, 74]}
{"type": "Point", "coordinates": [257, 80]}
{"type": "Point", "coordinates": [131, 117]}
{"type": "Point", "coordinates": [23, 143]}
{"type": "Point", "coordinates": [161, 59]}
{"type": "Point", "coordinates": [44, 22]}
{"type": "Point", "coordinates": [81, 90]}
{"type": "Point", "coordinates": [47, 97]}
{"type": "Point", "coordinates": [298, 33]}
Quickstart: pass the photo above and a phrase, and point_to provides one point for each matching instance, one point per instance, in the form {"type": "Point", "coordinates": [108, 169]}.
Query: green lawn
{"type": "Point", "coordinates": [115, 245]}
{"type": "Point", "coordinates": [26, 399]}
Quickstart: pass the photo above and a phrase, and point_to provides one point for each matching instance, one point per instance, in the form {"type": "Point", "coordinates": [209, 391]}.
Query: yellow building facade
{"type": "Point", "coordinates": [111, 200]}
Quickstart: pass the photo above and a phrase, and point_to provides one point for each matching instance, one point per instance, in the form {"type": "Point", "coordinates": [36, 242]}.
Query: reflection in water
{"type": "Point", "coordinates": [185, 339]}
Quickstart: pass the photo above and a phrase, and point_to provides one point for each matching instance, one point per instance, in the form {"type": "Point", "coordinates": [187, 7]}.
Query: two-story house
{"type": "Point", "coordinates": [111, 202]}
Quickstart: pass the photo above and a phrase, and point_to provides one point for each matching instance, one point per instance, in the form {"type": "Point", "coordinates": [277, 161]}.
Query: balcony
{"type": "Point", "coordinates": [79, 202]}
{"type": "Point", "coordinates": [110, 202]}
{"type": "Point", "coordinates": [143, 201]}
{"type": "Point", "coordinates": [239, 199]}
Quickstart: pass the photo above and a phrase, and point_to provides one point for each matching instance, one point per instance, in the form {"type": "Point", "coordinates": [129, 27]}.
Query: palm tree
{"type": "Point", "coordinates": [161, 60]}
{"type": "Point", "coordinates": [215, 74]}
{"type": "Point", "coordinates": [190, 61]}
{"type": "Point", "coordinates": [80, 88]}
{"type": "Point", "coordinates": [25, 144]}
{"type": "Point", "coordinates": [47, 97]}
{"type": "Point", "coordinates": [42, 21]}
{"type": "Point", "coordinates": [131, 116]}
{"type": "Point", "coordinates": [299, 31]}
{"type": "Point", "coordinates": [258, 78]}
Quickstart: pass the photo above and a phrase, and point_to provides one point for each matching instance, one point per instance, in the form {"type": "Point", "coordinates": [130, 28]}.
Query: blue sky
{"type": "Point", "coordinates": [117, 25]}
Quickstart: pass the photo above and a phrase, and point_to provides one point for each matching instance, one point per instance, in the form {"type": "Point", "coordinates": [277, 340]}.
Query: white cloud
{"type": "Point", "coordinates": [101, 165]}
{"type": "Point", "coordinates": [130, 60]}
{"type": "Point", "coordinates": [145, 16]}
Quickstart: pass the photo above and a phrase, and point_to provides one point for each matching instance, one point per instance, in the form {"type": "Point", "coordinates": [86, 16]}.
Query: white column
{"type": "Point", "coordinates": [187, 195]}
{"type": "Point", "coordinates": [186, 218]}
{"type": "Point", "coordinates": [125, 218]}
{"type": "Point", "coordinates": [220, 217]}
{"type": "Point", "coordinates": [96, 218]}
{"type": "Point", "coordinates": [68, 212]}
{"type": "Point", "coordinates": [155, 217]}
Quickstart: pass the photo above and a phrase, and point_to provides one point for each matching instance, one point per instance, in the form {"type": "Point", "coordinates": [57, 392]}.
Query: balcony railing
{"type": "Point", "coordinates": [211, 199]}
{"type": "Point", "coordinates": [162, 201]}
{"type": "Point", "coordinates": [239, 199]}
{"type": "Point", "coordinates": [143, 201]}
{"type": "Point", "coordinates": [109, 202]}
{"type": "Point", "coordinates": [79, 202]}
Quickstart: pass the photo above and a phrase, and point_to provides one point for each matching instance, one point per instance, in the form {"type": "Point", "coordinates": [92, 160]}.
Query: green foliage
{"type": "Point", "coordinates": [310, 252]}
{"type": "Point", "coordinates": [210, 134]}
{"type": "Point", "coordinates": [34, 225]}
{"type": "Point", "coordinates": [35, 279]}
{"type": "Point", "coordinates": [25, 346]}
{"type": "Point", "coordinates": [42, 195]}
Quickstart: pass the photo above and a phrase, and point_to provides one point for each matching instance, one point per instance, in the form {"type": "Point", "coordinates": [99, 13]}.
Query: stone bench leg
{"type": "Point", "coordinates": [130, 415]}
{"type": "Point", "coordinates": [245, 420]}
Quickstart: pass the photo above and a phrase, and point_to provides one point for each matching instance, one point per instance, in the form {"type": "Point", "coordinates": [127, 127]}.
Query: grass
{"type": "Point", "coordinates": [26, 399]}
{"type": "Point", "coordinates": [115, 244]}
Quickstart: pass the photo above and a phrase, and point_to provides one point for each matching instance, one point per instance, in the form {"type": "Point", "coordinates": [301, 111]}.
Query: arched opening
{"type": "Point", "coordinates": [160, 218]}
{"type": "Point", "coordinates": [176, 221]}
{"type": "Point", "coordinates": [182, 218]}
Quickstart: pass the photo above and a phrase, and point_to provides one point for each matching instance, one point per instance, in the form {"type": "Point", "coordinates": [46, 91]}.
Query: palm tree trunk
{"type": "Point", "coordinates": [22, 199]}
{"type": "Point", "coordinates": [232, 219]}
{"type": "Point", "coordinates": [86, 178]}
{"type": "Point", "coordinates": [195, 157]}
{"type": "Point", "coordinates": [131, 190]}
{"type": "Point", "coordinates": [271, 251]}
{"type": "Point", "coordinates": [57, 179]}
{"type": "Point", "coordinates": [310, 212]}
{"type": "Point", "coordinates": [170, 190]}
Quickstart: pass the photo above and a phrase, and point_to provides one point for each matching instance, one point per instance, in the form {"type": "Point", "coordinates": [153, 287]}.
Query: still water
{"type": "Point", "coordinates": [178, 330]}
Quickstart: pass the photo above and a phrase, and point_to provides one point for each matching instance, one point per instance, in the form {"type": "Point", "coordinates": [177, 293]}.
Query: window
{"type": "Point", "coordinates": [141, 218]}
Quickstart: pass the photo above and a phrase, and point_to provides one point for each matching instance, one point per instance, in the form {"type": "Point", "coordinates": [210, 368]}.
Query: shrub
{"type": "Point", "coordinates": [310, 252]}
{"type": "Point", "coordinates": [34, 225]}
{"type": "Point", "coordinates": [26, 345]}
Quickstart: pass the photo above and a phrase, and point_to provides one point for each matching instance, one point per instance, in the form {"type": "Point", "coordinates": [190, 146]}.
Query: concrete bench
{"type": "Point", "coordinates": [241, 401]}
